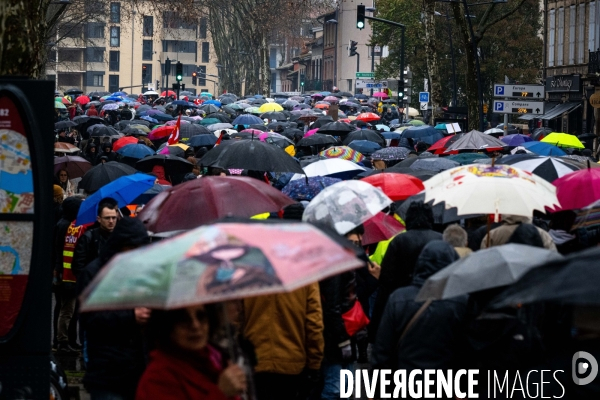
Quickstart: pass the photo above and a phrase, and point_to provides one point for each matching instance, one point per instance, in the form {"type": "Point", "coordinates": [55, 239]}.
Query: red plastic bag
{"type": "Point", "coordinates": [355, 319]}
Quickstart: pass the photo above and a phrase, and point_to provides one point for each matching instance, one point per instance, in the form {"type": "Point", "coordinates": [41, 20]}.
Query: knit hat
{"type": "Point", "coordinates": [58, 191]}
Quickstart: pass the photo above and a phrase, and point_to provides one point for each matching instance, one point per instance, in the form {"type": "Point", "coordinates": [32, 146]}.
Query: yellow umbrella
{"type": "Point", "coordinates": [270, 107]}
{"type": "Point", "coordinates": [563, 140]}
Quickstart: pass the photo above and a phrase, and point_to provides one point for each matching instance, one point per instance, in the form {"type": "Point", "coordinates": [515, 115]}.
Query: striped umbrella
{"type": "Point", "coordinates": [343, 152]}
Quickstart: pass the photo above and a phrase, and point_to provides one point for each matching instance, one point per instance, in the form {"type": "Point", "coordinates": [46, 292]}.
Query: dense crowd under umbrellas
{"type": "Point", "coordinates": [254, 248]}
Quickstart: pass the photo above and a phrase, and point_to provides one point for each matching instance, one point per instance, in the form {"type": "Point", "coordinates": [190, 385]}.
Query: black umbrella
{"type": "Point", "coordinates": [276, 115]}
{"type": "Point", "coordinates": [251, 155]}
{"type": "Point", "coordinates": [187, 131]}
{"type": "Point", "coordinates": [345, 94]}
{"type": "Point", "coordinates": [97, 94]}
{"type": "Point", "coordinates": [133, 131]}
{"type": "Point", "coordinates": [74, 91]}
{"type": "Point", "coordinates": [230, 111]}
{"type": "Point", "coordinates": [102, 174]}
{"type": "Point", "coordinates": [322, 120]}
{"type": "Point", "coordinates": [258, 102]}
{"type": "Point", "coordinates": [220, 116]}
{"type": "Point", "coordinates": [227, 100]}
{"type": "Point", "coordinates": [81, 119]}
{"type": "Point", "coordinates": [293, 133]}
{"type": "Point", "coordinates": [336, 128]}
{"type": "Point", "coordinates": [64, 124]}
{"type": "Point", "coordinates": [259, 127]}
{"type": "Point", "coordinates": [365, 134]}
{"type": "Point", "coordinates": [421, 174]}
{"type": "Point", "coordinates": [276, 124]}
{"type": "Point", "coordinates": [173, 165]}
{"type": "Point", "coordinates": [209, 108]}
{"type": "Point", "coordinates": [94, 103]}
{"type": "Point", "coordinates": [316, 140]}
{"type": "Point", "coordinates": [101, 130]}
{"type": "Point", "coordinates": [440, 214]}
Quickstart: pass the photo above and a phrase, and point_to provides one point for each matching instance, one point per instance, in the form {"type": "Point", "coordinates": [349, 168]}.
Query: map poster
{"type": "Point", "coordinates": [16, 197]}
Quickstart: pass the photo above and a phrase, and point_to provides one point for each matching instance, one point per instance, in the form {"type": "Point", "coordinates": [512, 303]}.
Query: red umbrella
{"type": "Point", "coordinates": [124, 141]}
{"type": "Point", "coordinates": [578, 189]}
{"type": "Point", "coordinates": [368, 117]}
{"type": "Point", "coordinates": [396, 186]}
{"type": "Point", "coordinates": [381, 94]}
{"type": "Point", "coordinates": [65, 101]}
{"type": "Point", "coordinates": [83, 100]}
{"type": "Point", "coordinates": [171, 93]}
{"type": "Point", "coordinates": [441, 145]}
{"type": "Point", "coordinates": [381, 227]}
{"type": "Point", "coordinates": [202, 201]}
{"type": "Point", "coordinates": [160, 132]}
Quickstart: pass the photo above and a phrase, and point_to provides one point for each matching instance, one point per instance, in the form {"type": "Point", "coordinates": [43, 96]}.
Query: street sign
{"type": "Point", "coordinates": [521, 91]}
{"type": "Point", "coordinates": [423, 106]}
{"type": "Point", "coordinates": [365, 74]}
{"type": "Point", "coordinates": [424, 97]}
{"type": "Point", "coordinates": [518, 107]}
{"type": "Point", "coordinates": [370, 84]}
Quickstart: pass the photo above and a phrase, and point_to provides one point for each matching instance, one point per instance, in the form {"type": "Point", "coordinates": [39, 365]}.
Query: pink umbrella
{"type": "Point", "coordinates": [252, 131]}
{"type": "Point", "coordinates": [381, 227]}
{"type": "Point", "coordinates": [578, 189]}
{"type": "Point", "coordinates": [311, 132]}
{"type": "Point", "coordinates": [381, 94]}
{"type": "Point", "coordinates": [317, 95]}
{"type": "Point", "coordinates": [331, 99]}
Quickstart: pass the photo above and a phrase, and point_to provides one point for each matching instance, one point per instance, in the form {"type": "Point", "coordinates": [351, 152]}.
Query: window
{"type": "Point", "coordinates": [148, 78]}
{"type": "Point", "coordinates": [148, 25]}
{"type": "Point", "coordinates": [115, 36]}
{"type": "Point", "coordinates": [203, 28]}
{"type": "Point", "coordinates": [113, 60]}
{"type": "Point", "coordinates": [592, 45]}
{"type": "Point", "coordinates": [581, 32]}
{"type": "Point", "coordinates": [572, 15]}
{"type": "Point", "coordinates": [205, 51]}
{"type": "Point", "coordinates": [202, 75]}
{"type": "Point", "coordinates": [147, 50]}
{"type": "Point", "coordinates": [74, 31]}
{"type": "Point", "coordinates": [115, 12]}
{"type": "Point", "coordinates": [560, 48]}
{"type": "Point", "coordinates": [173, 21]}
{"type": "Point", "coordinates": [179, 46]}
{"type": "Point", "coordinates": [273, 58]}
{"type": "Point", "coordinates": [113, 83]}
{"type": "Point", "coordinates": [95, 30]}
{"type": "Point", "coordinates": [98, 80]}
{"type": "Point", "coordinates": [551, 35]}
{"type": "Point", "coordinates": [94, 54]}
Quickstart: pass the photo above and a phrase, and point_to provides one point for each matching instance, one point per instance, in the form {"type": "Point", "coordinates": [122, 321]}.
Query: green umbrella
{"type": "Point", "coordinates": [209, 121]}
{"type": "Point", "coordinates": [416, 122]}
{"type": "Point", "coordinates": [253, 110]}
{"type": "Point", "coordinates": [236, 106]}
{"type": "Point", "coordinates": [441, 127]}
{"type": "Point", "coordinates": [59, 105]}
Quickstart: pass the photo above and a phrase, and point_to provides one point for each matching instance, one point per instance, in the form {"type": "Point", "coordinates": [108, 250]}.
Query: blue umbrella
{"type": "Point", "coordinates": [121, 94]}
{"type": "Point", "coordinates": [543, 149]}
{"type": "Point", "coordinates": [247, 119]}
{"type": "Point", "coordinates": [299, 190]}
{"type": "Point", "coordinates": [215, 102]}
{"type": "Point", "coordinates": [162, 117]}
{"type": "Point", "coordinates": [202, 140]}
{"type": "Point", "coordinates": [134, 150]}
{"type": "Point", "coordinates": [123, 190]}
{"type": "Point", "coordinates": [149, 119]}
{"type": "Point", "coordinates": [180, 103]}
{"type": "Point", "coordinates": [382, 127]}
{"type": "Point", "coordinates": [515, 139]}
{"type": "Point", "coordinates": [365, 147]}
{"type": "Point", "coordinates": [114, 98]}
{"type": "Point", "coordinates": [391, 135]}
{"type": "Point", "coordinates": [423, 133]}
{"type": "Point", "coordinates": [149, 194]}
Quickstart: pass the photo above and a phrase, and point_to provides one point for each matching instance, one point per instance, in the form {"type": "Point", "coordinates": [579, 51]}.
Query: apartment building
{"type": "Point", "coordinates": [125, 49]}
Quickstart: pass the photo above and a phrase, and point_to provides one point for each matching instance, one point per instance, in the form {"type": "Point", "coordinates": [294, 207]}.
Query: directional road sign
{"type": "Point", "coordinates": [423, 106]}
{"type": "Point", "coordinates": [424, 97]}
{"type": "Point", "coordinates": [365, 74]}
{"type": "Point", "coordinates": [370, 84]}
{"type": "Point", "coordinates": [533, 92]}
{"type": "Point", "coordinates": [518, 107]}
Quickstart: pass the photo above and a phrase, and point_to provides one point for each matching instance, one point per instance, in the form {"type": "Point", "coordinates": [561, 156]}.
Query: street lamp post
{"type": "Point", "coordinates": [335, 56]}
{"type": "Point", "coordinates": [477, 68]}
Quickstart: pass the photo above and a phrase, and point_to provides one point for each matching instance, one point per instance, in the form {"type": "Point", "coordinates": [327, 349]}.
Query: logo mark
{"type": "Point", "coordinates": [590, 365]}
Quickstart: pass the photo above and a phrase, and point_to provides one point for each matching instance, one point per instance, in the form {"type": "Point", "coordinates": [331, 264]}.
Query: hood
{"type": "Point", "coordinates": [435, 256]}
{"type": "Point", "coordinates": [515, 219]}
{"type": "Point", "coordinates": [128, 232]}
{"type": "Point", "coordinates": [527, 234]}
{"type": "Point", "coordinates": [70, 208]}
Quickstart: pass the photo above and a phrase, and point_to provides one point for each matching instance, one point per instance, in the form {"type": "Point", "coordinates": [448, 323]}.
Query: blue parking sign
{"type": "Point", "coordinates": [499, 90]}
{"type": "Point", "coordinates": [424, 97]}
{"type": "Point", "coordinates": [499, 106]}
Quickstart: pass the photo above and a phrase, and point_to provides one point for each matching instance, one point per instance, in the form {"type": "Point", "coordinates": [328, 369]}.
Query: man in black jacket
{"type": "Point", "coordinates": [398, 264]}
{"type": "Point", "coordinates": [113, 339]}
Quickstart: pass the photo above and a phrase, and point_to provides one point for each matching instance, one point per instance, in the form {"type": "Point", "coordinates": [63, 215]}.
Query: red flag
{"type": "Point", "coordinates": [174, 136]}
{"type": "Point", "coordinates": [219, 140]}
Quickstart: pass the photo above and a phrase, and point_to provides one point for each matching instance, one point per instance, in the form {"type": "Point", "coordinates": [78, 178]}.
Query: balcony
{"type": "Point", "coordinates": [184, 58]}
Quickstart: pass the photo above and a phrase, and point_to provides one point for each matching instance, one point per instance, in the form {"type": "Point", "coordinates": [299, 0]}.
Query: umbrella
{"type": "Point", "coordinates": [149, 194]}
{"type": "Point", "coordinates": [123, 190]}
{"type": "Point", "coordinates": [487, 189]}
{"type": "Point", "coordinates": [101, 130]}
{"type": "Point", "coordinates": [64, 124]}
{"type": "Point", "coordinates": [539, 133]}
{"type": "Point", "coordinates": [441, 214]}
{"type": "Point", "coordinates": [494, 132]}
{"type": "Point", "coordinates": [59, 105]}
{"type": "Point", "coordinates": [110, 107]}
{"type": "Point", "coordinates": [379, 228]}
{"type": "Point", "coordinates": [103, 174]}
{"type": "Point", "coordinates": [563, 140]}
{"type": "Point", "coordinates": [274, 115]}
{"type": "Point", "coordinates": [219, 127]}
{"type": "Point", "coordinates": [76, 166]}
{"type": "Point", "coordinates": [396, 186]}
{"type": "Point", "coordinates": [62, 147]}
{"type": "Point", "coordinates": [435, 164]}
{"type": "Point", "coordinates": [333, 167]}
{"type": "Point", "coordinates": [368, 117]}
{"type": "Point", "coordinates": [210, 121]}
{"type": "Point", "coordinates": [365, 134]}
{"type": "Point", "coordinates": [572, 280]}
{"type": "Point", "coordinates": [173, 165]}
{"type": "Point", "coordinates": [317, 139]}
{"type": "Point", "coordinates": [247, 119]}
{"type": "Point", "coordinates": [587, 216]}
{"type": "Point", "coordinates": [381, 95]}
{"type": "Point", "coordinates": [188, 131]}
{"type": "Point", "coordinates": [222, 117]}
{"type": "Point", "coordinates": [468, 158]}
{"type": "Point", "coordinates": [214, 102]}
{"type": "Point", "coordinates": [209, 108]}
{"type": "Point", "coordinates": [475, 140]}
{"type": "Point", "coordinates": [543, 149]}
{"type": "Point", "coordinates": [423, 133]}
{"type": "Point", "coordinates": [123, 142]}
{"type": "Point", "coordinates": [252, 155]}
{"type": "Point", "coordinates": [202, 140]}
{"type": "Point", "coordinates": [270, 107]}
{"type": "Point", "coordinates": [391, 135]}
{"type": "Point", "coordinates": [162, 132]}
{"type": "Point", "coordinates": [300, 190]}
{"type": "Point", "coordinates": [416, 122]}
{"type": "Point", "coordinates": [515, 140]}
{"type": "Point", "coordinates": [485, 269]}
{"type": "Point", "coordinates": [364, 146]}
{"type": "Point", "coordinates": [343, 152]}
{"type": "Point", "coordinates": [578, 189]}
{"type": "Point", "coordinates": [218, 263]}
{"type": "Point", "coordinates": [421, 174]}
{"type": "Point", "coordinates": [135, 150]}
{"type": "Point", "coordinates": [345, 205]}
{"type": "Point", "coordinates": [176, 149]}
{"type": "Point", "coordinates": [336, 128]}
{"type": "Point", "coordinates": [203, 201]}
{"type": "Point", "coordinates": [549, 168]}
{"type": "Point", "coordinates": [390, 154]}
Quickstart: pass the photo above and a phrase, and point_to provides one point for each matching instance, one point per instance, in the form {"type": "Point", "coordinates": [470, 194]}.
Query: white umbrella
{"type": "Point", "coordinates": [413, 112]}
{"type": "Point", "coordinates": [491, 189]}
{"type": "Point", "coordinates": [493, 131]}
{"type": "Point", "coordinates": [345, 205]}
{"type": "Point", "coordinates": [150, 92]}
{"type": "Point", "coordinates": [327, 167]}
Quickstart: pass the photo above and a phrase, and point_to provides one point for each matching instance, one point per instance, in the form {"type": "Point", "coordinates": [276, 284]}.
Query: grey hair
{"type": "Point", "coordinates": [456, 236]}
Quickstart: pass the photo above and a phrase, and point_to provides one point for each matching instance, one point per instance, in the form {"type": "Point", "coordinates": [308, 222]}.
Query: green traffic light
{"type": "Point", "coordinates": [360, 24]}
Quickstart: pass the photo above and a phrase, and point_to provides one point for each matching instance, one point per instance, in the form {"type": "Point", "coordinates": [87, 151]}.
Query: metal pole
{"type": "Point", "coordinates": [477, 69]}
{"type": "Point", "coordinates": [335, 54]}
{"type": "Point", "coordinates": [506, 80]}
{"type": "Point", "coordinates": [167, 78]}
{"type": "Point", "coordinates": [372, 62]}
{"type": "Point", "coordinates": [357, 62]}
{"type": "Point", "coordinates": [401, 81]}
{"type": "Point", "coordinates": [454, 102]}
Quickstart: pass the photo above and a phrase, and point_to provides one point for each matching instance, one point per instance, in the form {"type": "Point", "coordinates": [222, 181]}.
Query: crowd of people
{"type": "Point", "coordinates": [294, 345]}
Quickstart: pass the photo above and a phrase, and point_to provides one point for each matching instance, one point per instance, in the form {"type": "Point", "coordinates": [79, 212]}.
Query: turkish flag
{"type": "Point", "coordinates": [174, 136]}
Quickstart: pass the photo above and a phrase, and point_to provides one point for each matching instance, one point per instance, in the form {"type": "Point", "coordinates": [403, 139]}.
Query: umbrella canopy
{"type": "Point", "coordinates": [173, 165]}
{"type": "Point", "coordinates": [435, 164]}
{"type": "Point", "coordinates": [202, 140]}
{"type": "Point", "coordinates": [364, 146]}
{"type": "Point", "coordinates": [162, 132]}
{"type": "Point", "coordinates": [441, 215]}
{"type": "Point", "coordinates": [63, 147]}
{"type": "Point", "coordinates": [543, 149]}
{"type": "Point", "coordinates": [179, 207]}
{"type": "Point", "coordinates": [123, 190]}
{"type": "Point", "coordinates": [247, 119]}
{"type": "Point", "coordinates": [423, 133]}
{"type": "Point", "coordinates": [252, 155]}
{"type": "Point", "coordinates": [365, 134]}
{"type": "Point", "coordinates": [485, 269]}
{"type": "Point", "coordinates": [76, 166]}
{"type": "Point", "coordinates": [299, 189]}
{"type": "Point", "coordinates": [345, 205]}
{"type": "Point", "coordinates": [209, 108]}
{"type": "Point", "coordinates": [415, 122]}
{"type": "Point", "coordinates": [587, 216]}
{"type": "Point", "coordinates": [396, 186]}
{"type": "Point", "coordinates": [270, 107]}
{"type": "Point", "coordinates": [103, 174]}
{"type": "Point", "coordinates": [218, 263]}
{"type": "Point", "coordinates": [336, 128]}
{"type": "Point", "coordinates": [421, 174]}
{"type": "Point", "coordinates": [487, 189]}
{"type": "Point", "coordinates": [188, 131]}
{"type": "Point", "coordinates": [467, 158]}
{"type": "Point", "coordinates": [316, 140]}
{"type": "Point", "coordinates": [515, 140]}
{"type": "Point", "coordinates": [563, 140]}
{"type": "Point", "coordinates": [101, 130]}
{"type": "Point", "coordinates": [549, 168]}
{"type": "Point", "coordinates": [368, 117]}
{"type": "Point", "coordinates": [494, 132]}
{"type": "Point", "coordinates": [578, 189]}
{"type": "Point", "coordinates": [333, 167]}
{"type": "Point", "coordinates": [540, 133]}
{"type": "Point", "coordinates": [135, 150]}
{"type": "Point", "coordinates": [124, 141]}
{"type": "Point", "coordinates": [391, 154]}
{"type": "Point", "coordinates": [343, 152]}
{"type": "Point", "coordinates": [64, 125]}
{"type": "Point", "coordinates": [381, 227]}
{"type": "Point", "coordinates": [476, 140]}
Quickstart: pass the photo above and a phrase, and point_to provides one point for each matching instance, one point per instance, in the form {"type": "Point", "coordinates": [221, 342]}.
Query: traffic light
{"type": "Point", "coordinates": [194, 75]}
{"type": "Point", "coordinates": [144, 73]}
{"type": "Point", "coordinates": [352, 48]}
{"type": "Point", "coordinates": [167, 67]}
{"type": "Point", "coordinates": [179, 71]}
{"type": "Point", "coordinates": [302, 78]}
{"type": "Point", "coordinates": [360, 16]}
